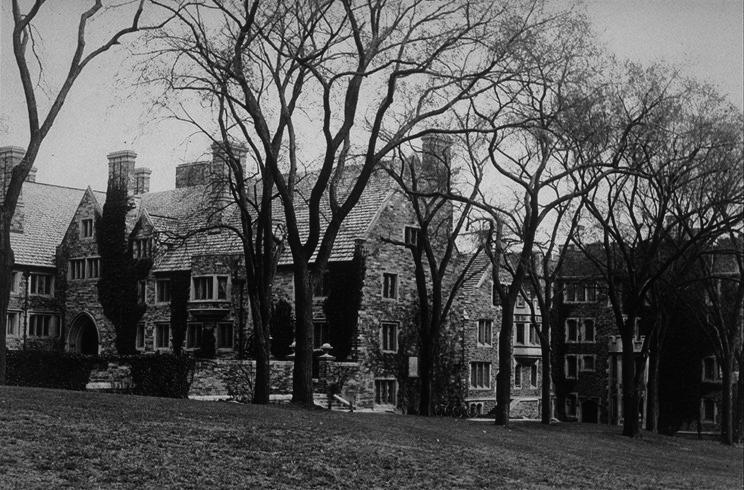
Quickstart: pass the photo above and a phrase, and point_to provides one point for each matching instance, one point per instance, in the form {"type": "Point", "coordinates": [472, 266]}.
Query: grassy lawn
{"type": "Point", "coordinates": [55, 438]}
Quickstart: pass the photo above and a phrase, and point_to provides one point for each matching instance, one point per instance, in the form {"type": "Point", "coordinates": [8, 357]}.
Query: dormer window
{"type": "Point", "coordinates": [142, 248]}
{"type": "Point", "coordinates": [86, 228]}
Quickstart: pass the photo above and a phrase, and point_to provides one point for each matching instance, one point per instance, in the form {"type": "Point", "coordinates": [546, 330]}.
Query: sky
{"type": "Point", "coordinates": [704, 38]}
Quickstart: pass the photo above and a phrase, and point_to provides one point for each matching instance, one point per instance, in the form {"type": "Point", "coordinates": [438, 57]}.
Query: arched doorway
{"type": "Point", "coordinates": [83, 337]}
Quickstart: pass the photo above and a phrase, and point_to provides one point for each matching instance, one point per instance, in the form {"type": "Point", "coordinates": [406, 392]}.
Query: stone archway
{"type": "Point", "coordinates": [83, 337]}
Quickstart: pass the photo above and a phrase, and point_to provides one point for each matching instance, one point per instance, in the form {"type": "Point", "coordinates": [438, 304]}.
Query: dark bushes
{"type": "Point", "coordinates": [45, 369]}
{"type": "Point", "coordinates": [163, 375]}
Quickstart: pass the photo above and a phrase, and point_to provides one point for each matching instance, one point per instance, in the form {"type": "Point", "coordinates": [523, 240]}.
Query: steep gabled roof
{"type": "Point", "coordinates": [47, 211]}
{"type": "Point", "coordinates": [185, 212]}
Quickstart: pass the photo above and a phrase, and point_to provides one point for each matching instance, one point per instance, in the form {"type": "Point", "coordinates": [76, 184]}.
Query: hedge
{"type": "Point", "coordinates": [46, 369]}
{"type": "Point", "coordinates": [163, 375]}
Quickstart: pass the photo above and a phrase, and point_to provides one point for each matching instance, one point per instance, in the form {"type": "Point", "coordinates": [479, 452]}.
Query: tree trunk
{"type": "Point", "coordinates": [727, 426]}
{"type": "Point", "coordinates": [546, 414]}
{"type": "Point", "coordinates": [631, 426]}
{"type": "Point", "coordinates": [652, 408]}
{"type": "Point", "coordinates": [302, 379]}
{"type": "Point", "coordinates": [426, 374]}
{"type": "Point", "coordinates": [738, 421]}
{"type": "Point", "coordinates": [262, 386]}
{"type": "Point", "coordinates": [6, 276]}
{"type": "Point", "coordinates": [503, 379]}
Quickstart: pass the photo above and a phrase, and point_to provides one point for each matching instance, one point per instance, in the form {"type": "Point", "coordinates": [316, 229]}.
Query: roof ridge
{"type": "Point", "coordinates": [64, 187]}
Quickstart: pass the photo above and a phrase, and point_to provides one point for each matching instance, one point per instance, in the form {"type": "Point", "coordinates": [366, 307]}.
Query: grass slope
{"type": "Point", "coordinates": [56, 438]}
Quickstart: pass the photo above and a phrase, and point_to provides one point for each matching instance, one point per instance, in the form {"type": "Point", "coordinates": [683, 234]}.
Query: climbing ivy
{"type": "Point", "coordinates": [341, 307]}
{"type": "Point", "coordinates": [120, 272]}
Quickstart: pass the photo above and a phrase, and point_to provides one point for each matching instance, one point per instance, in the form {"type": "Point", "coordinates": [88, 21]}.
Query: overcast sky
{"type": "Point", "coordinates": [705, 38]}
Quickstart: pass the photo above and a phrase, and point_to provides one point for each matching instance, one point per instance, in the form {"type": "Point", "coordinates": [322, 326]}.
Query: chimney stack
{"type": "Point", "coordinates": [142, 180]}
{"type": "Point", "coordinates": [121, 170]}
{"type": "Point", "coordinates": [435, 162]}
{"type": "Point", "coordinates": [31, 177]}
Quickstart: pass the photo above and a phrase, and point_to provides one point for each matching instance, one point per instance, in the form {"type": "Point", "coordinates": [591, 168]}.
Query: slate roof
{"type": "Point", "coordinates": [182, 212]}
{"type": "Point", "coordinates": [47, 210]}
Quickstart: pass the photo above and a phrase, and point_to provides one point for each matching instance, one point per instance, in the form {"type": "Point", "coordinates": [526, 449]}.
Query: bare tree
{"type": "Point", "coordinates": [670, 143]}
{"type": "Point", "coordinates": [536, 161]}
{"type": "Point", "coordinates": [336, 87]}
{"type": "Point", "coordinates": [439, 271]}
{"type": "Point", "coordinates": [39, 123]}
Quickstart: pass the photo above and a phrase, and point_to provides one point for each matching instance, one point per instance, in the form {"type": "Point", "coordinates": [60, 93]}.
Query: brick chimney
{"type": "Point", "coordinates": [219, 177]}
{"type": "Point", "coordinates": [121, 169]}
{"type": "Point", "coordinates": [434, 173]}
{"type": "Point", "coordinates": [142, 180]}
{"type": "Point", "coordinates": [10, 156]}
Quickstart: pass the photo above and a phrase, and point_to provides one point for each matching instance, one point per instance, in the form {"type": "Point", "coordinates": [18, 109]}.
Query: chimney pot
{"type": "Point", "coordinates": [142, 180]}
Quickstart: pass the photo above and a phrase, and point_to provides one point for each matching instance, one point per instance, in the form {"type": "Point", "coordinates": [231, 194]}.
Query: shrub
{"type": "Point", "coordinates": [46, 369]}
{"type": "Point", "coordinates": [164, 375]}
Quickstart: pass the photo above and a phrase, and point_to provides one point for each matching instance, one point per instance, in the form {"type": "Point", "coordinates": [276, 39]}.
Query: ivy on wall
{"type": "Point", "coordinates": [341, 307]}
{"type": "Point", "coordinates": [178, 307]}
{"type": "Point", "coordinates": [120, 272]}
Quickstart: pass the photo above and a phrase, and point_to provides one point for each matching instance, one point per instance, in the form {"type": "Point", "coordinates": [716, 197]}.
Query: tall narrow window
{"type": "Point", "coordinates": [94, 267]}
{"type": "Point", "coordinates": [517, 375]}
{"type": "Point", "coordinates": [193, 335]}
{"type": "Point", "coordinates": [389, 332]}
{"type": "Point", "coordinates": [162, 335]}
{"type": "Point", "coordinates": [572, 368]}
{"type": "Point", "coordinates": [14, 281]}
{"type": "Point", "coordinates": [588, 330]}
{"type": "Point", "coordinates": [142, 248]}
{"type": "Point", "coordinates": [86, 228]}
{"type": "Point", "coordinates": [520, 333]}
{"type": "Point", "coordinates": [480, 375]}
{"type": "Point", "coordinates": [77, 269]}
{"type": "Point", "coordinates": [42, 326]}
{"type": "Point", "coordinates": [40, 284]}
{"type": "Point", "coordinates": [142, 292]}
{"type": "Point", "coordinates": [140, 339]}
{"type": "Point", "coordinates": [163, 287]}
{"type": "Point", "coordinates": [389, 285]}
{"type": "Point", "coordinates": [485, 332]}
{"type": "Point", "coordinates": [13, 322]}
{"type": "Point", "coordinates": [225, 335]}
{"type": "Point", "coordinates": [385, 392]}
{"type": "Point", "coordinates": [411, 235]}
{"type": "Point", "coordinates": [203, 288]}
{"type": "Point", "coordinates": [533, 375]}
{"type": "Point", "coordinates": [572, 330]}
{"type": "Point", "coordinates": [221, 287]}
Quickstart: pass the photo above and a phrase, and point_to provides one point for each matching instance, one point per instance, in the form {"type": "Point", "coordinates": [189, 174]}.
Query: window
{"type": "Point", "coordinates": [193, 335]}
{"type": "Point", "coordinates": [320, 334]}
{"type": "Point", "coordinates": [141, 248]}
{"type": "Point", "coordinates": [321, 286]}
{"type": "Point", "coordinates": [580, 330]}
{"type": "Point", "coordinates": [518, 375]}
{"type": "Point", "coordinates": [637, 329]}
{"type": "Point", "coordinates": [533, 375]}
{"type": "Point", "coordinates": [580, 292]}
{"type": "Point", "coordinates": [385, 392]}
{"type": "Point", "coordinates": [533, 335]}
{"type": "Point", "coordinates": [77, 269]}
{"type": "Point", "coordinates": [40, 284]}
{"type": "Point", "coordinates": [163, 291]}
{"type": "Point", "coordinates": [42, 326]}
{"type": "Point", "coordinates": [94, 267]}
{"type": "Point", "coordinates": [572, 367]}
{"type": "Point", "coordinates": [12, 328]}
{"type": "Point", "coordinates": [86, 228]}
{"type": "Point", "coordinates": [221, 287]}
{"type": "Point", "coordinates": [711, 370]}
{"type": "Point", "coordinates": [139, 342]}
{"type": "Point", "coordinates": [225, 335]}
{"type": "Point", "coordinates": [389, 332]}
{"type": "Point", "coordinates": [709, 410]}
{"type": "Point", "coordinates": [588, 330]}
{"type": "Point", "coordinates": [588, 363]}
{"type": "Point", "coordinates": [520, 333]}
{"type": "Point", "coordinates": [572, 404]}
{"type": "Point", "coordinates": [411, 235]}
{"type": "Point", "coordinates": [162, 335]}
{"type": "Point", "coordinates": [389, 285]}
{"type": "Point", "coordinates": [480, 375]}
{"type": "Point", "coordinates": [205, 287]}
{"type": "Point", "coordinates": [572, 330]}
{"type": "Point", "coordinates": [521, 303]}
{"type": "Point", "coordinates": [14, 281]}
{"type": "Point", "coordinates": [485, 332]}
{"type": "Point", "coordinates": [142, 292]}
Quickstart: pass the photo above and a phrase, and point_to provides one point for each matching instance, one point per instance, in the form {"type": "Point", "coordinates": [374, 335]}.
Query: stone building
{"type": "Point", "coordinates": [57, 254]}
